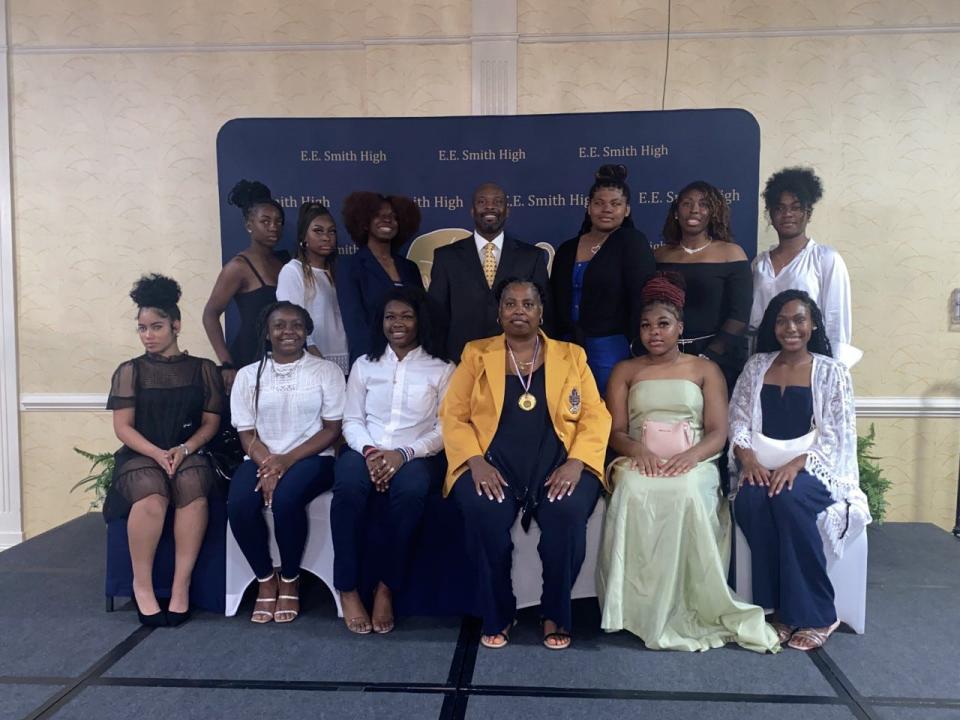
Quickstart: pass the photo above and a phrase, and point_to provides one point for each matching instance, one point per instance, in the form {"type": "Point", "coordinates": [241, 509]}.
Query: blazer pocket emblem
{"type": "Point", "coordinates": [574, 401]}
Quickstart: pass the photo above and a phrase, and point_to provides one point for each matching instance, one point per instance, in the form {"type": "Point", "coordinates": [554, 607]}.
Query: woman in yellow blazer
{"type": "Point", "coordinates": [524, 429]}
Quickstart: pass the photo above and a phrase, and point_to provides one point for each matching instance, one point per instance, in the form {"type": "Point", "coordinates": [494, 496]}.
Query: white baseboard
{"type": "Point", "coordinates": [9, 539]}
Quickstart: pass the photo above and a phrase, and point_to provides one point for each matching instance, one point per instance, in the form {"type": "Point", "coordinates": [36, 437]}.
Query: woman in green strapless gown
{"type": "Point", "coordinates": [664, 557]}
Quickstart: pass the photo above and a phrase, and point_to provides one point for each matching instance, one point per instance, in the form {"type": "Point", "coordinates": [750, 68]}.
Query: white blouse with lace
{"type": "Point", "coordinates": [833, 457]}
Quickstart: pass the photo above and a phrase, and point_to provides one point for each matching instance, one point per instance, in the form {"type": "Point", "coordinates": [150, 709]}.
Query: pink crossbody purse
{"type": "Point", "coordinates": [666, 439]}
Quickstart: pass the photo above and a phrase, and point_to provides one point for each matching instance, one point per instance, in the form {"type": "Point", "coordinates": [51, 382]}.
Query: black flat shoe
{"type": "Point", "coordinates": [176, 619]}
{"type": "Point", "coordinates": [158, 619]}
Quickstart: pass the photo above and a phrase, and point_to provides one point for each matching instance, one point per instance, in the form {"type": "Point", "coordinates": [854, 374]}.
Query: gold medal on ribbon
{"type": "Point", "coordinates": [527, 401]}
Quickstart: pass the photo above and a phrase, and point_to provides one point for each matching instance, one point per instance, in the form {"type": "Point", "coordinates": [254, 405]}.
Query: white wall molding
{"type": "Point", "coordinates": [63, 402]}
{"type": "Point", "coordinates": [867, 407]}
{"type": "Point", "coordinates": [907, 407]}
{"type": "Point", "coordinates": [11, 522]}
{"type": "Point", "coordinates": [488, 23]}
{"type": "Point", "coordinates": [813, 32]}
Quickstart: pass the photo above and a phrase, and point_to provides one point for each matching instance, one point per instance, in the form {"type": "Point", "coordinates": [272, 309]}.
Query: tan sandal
{"type": "Point", "coordinates": [811, 638]}
{"type": "Point", "coordinates": [289, 614]}
{"type": "Point", "coordinates": [784, 631]}
{"type": "Point", "coordinates": [259, 616]}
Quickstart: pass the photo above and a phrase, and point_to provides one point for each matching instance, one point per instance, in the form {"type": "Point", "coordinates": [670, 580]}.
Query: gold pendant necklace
{"type": "Point", "coordinates": [527, 401]}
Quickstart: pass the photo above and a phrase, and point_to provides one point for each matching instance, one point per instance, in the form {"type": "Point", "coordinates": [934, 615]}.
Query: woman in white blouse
{"type": "Point", "coordinates": [288, 409]}
{"type": "Point", "coordinates": [793, 435]}
{"type": "Point", "coordinates": [308, 281]}
{"type": "Point", "coordinates": [394, 447]}
{"type": "Point", "coordinates": [799, 263]}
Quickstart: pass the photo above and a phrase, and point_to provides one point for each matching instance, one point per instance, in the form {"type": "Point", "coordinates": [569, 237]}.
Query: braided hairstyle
{"type": "Point", "coordinates": [608, 176]}
{"type": "Point", "coordinates": [263, 329]}
{"type": "Point", "coordinates": [719, 226]}
{"type": "Point", "coordinates": [158, 292]}
{"type": "Point", "coordinates": [310, 211]}
{"type": "Point", "coordinates": [766, 335]}
{"type": "Point", "coordinates": [665, 288]}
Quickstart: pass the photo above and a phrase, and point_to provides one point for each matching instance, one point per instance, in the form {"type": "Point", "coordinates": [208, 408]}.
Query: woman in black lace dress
{"type": "Point", "coordinates": [249, 279]}
{"type": "Point", "coordinates": [719, 284]}
{"type": "Point", "coordinates": [166, 406]}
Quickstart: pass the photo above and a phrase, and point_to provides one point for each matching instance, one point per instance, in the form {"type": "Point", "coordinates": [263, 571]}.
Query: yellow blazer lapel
{"type": "Point", "coordinates": [557, 369]}
{"type": "Point", "coordinates": [494, 365]}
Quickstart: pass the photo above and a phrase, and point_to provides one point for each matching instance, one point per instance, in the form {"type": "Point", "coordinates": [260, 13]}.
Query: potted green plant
{"type": "Point", "coordinates": [872, 481]}
{"type": "Point", "coordinates": [100, 477]}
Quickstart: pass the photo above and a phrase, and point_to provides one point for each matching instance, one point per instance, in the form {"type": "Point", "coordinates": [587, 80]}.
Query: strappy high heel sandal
{"type": "Point", "coordinates": [261, 614]}
{"type": "Point", "coordinates": [292, 596]}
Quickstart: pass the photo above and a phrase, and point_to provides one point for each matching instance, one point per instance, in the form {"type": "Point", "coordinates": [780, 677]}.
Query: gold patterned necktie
{"type": "Point", "coordinates": [490, 262]}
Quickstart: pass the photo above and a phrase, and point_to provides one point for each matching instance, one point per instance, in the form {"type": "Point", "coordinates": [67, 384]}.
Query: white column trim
{"type": "Point", "coordinates": [867, 407]}
{"type": "Point", "coordinates": [493, 47]}
{"type": "Point", "coordinates": [11, 521]}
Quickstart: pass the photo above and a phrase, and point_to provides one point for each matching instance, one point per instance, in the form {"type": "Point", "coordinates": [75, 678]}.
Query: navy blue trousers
{"type": "Point", "coordinates": [562, 547]}
{"type": "Point", "coordinates": [302, 482]}
{"type": "Point", "coordinates": [789, 567]}
{"type": "Point", "coordinates": [351, 510]}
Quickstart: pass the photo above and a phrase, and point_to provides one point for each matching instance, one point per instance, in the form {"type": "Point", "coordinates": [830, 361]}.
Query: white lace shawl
{"type": "Point", "coordinates": [833, 457]}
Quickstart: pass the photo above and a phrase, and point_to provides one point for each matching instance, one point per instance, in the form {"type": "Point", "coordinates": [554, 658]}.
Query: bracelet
{"type": "Point", "coordinates": [368, 451]}
{"type": "Point", "coordinates": [186, 450]}
{"type": "Point", "coordinates": [228, 366]}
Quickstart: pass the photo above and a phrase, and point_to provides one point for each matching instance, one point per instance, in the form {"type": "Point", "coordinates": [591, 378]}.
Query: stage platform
{"type": "Point", "coordinates": [64, 657]}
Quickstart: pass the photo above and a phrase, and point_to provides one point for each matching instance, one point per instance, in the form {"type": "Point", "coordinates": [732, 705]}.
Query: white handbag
{"type": "Point", "coordinates": [773, 454]}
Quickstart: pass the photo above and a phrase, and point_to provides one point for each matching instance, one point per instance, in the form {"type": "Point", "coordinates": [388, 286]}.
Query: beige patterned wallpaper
{"type": "Point", "coordinates": [114, 162]}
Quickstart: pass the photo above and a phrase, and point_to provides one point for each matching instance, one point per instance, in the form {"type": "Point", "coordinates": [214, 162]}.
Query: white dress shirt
{"type": "Point", "coordinates": [295, 400]}
{"type": "Point", "coordinates": [821, 273]}
{"type": "Point", "coordinates": [395, 403]}
{"type": "Point", "coordinates": [328, 335]}
{"type": "Point", "coordinates": [482, 242]}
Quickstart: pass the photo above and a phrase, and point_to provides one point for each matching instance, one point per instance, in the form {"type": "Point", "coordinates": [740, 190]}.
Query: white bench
{"type": "Point", "coordinates": [318, 558]}
{"type": "Point", "coordinates": [528, 571]}
{"type": "Point", "coordinates": [317, 554]}
{"type": "Point", "coordinates": [848, 575]}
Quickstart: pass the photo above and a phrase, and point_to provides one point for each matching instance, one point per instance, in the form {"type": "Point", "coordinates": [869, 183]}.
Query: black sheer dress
{"type": "Point", "coordinates": [169, 397]}
{"type": "Point", "coordinates": [716, 312]}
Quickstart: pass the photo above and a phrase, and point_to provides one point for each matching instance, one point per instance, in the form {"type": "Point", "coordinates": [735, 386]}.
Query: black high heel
{"type": "Point", "coordinates": [158, 619]}
{"type": "Point", "coordinates": [176, 619]}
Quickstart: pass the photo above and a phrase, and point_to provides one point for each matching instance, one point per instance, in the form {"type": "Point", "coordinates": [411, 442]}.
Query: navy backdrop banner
{"type": "Point", "coordinates": [545, 163]}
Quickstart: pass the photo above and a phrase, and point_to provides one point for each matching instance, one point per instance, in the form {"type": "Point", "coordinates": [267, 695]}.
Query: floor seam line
{"type": "Point", "coordinates": [113, 656]}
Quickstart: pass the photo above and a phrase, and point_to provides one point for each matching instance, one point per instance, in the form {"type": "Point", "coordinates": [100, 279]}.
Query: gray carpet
{"type": "Point", "coordinates": [56, 638]}
{"type": "Point", "coordinates": [18, 700]}
{"type": "Point", "coordinates": [620, 661]}
{"type": "Point", "coordinates": [510, 708]}
{"type": "Point", "coordinates": [314, 648]}
{"type": "Point", "coordinates": [926, 713]}
{"type": "Point", "coordinates": [116, 703]}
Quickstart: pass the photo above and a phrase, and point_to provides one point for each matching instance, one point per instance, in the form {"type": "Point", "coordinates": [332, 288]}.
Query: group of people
{"type": "Point", "coordinates": [623, 372]}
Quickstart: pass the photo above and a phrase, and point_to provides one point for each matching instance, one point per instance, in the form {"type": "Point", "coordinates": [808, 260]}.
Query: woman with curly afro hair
{"type": "Point", "coordinates": [379, 225]}
{"type": "Point", "coordinates": [719, 289]}
{"type": "Point", "coordinates": [799, 263]}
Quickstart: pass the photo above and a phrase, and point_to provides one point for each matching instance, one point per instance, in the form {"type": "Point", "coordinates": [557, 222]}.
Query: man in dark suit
{"type": "Point", "coordinates": [465, 272]}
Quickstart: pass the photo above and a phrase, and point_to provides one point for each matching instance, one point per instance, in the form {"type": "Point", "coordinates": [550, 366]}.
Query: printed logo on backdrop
{"type": "Point", "coordinates": [545, 163]}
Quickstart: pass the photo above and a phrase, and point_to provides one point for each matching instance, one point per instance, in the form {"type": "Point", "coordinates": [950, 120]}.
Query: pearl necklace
{"type": "Point", "coordinates": [688, 251]}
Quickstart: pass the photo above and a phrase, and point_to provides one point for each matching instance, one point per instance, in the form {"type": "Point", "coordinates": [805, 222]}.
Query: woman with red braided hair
{"type": "Point", "coordinates": [663, 561]}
